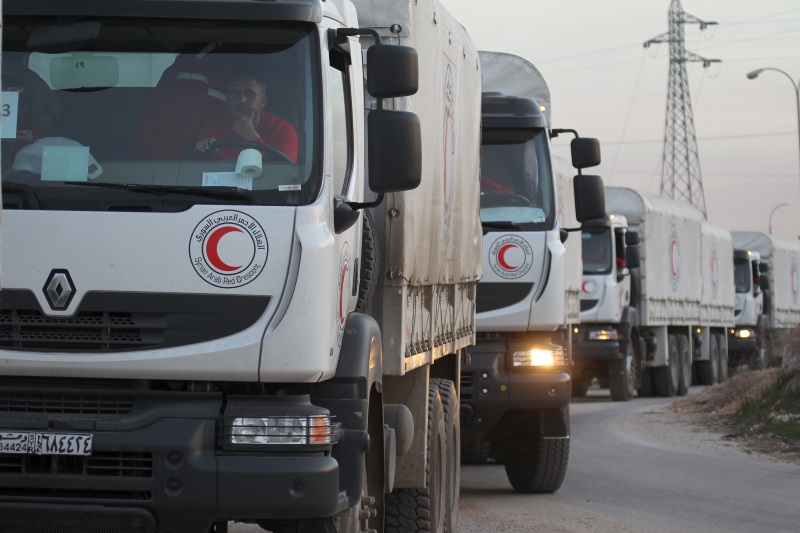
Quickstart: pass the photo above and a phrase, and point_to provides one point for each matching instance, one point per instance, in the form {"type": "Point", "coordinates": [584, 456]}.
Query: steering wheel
{"type": "Point", "coordinates": [505, 200]}
{"type": "Point", "coordinates": [270, 154]}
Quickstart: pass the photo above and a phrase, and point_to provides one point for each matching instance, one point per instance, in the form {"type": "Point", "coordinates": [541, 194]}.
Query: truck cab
{"type": "Point", "coordinates": [750, 278]}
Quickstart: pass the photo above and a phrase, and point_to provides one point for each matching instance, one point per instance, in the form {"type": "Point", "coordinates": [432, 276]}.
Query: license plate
{"type": "Point", "coordinates": [40, 443]}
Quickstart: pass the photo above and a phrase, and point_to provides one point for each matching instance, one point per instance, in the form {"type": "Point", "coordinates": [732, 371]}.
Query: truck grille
{"type": "Point", "coordinates": [99, 464]}
{"type": "Point", "coordinates": [119, 322]}
{"type": "Point", "coordinates": [491, 296]}
{"type": "Point", "coordinates": [588, 304]}
{"type": "Point", "coordinates": [71, 521]}
{"type": "Point", "coordinates": [21, 402]}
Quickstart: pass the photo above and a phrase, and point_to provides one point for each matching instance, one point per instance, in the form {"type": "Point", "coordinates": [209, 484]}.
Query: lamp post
{"type": "Point", "coordinates": [754, 74]}
{"type": "Point", "coordinates": [772, 213]}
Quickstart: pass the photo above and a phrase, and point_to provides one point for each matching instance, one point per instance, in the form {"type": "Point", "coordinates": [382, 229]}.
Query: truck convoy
{"type": "Point", "coordinates": [657, 298]}
{"type": "Point", "coordinates": [767, 298]}
{"type": "Point", "coordinates": [272, 336]}
{"type": "Point", "coordinates": [516, 382]}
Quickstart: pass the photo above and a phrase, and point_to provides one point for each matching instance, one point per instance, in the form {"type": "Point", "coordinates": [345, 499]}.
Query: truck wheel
{"type": "Point", "coordinates": [475, 452]}
{"type": "Point", "coordinates": [646, 388]}
{"type": "Point", "coordinates": [722, 374]}
{"type": "Point", "coordinates": [539, 466]}
{"type": "Point", "coordinates": [423, 510]}
{"type": "Point", "coordinates": [666, 378]}
{"type": "Point", "coordinates": [370, 263]}
{"type": "Point", "coordinates": [622, 376]}
{"type": "Point", "coordinates": [708, 371]}
{"type": "Point", "coordinates": [758, 359]}
{"type": "Point", "coordinates": [580, 386]}
{"type": "Point", "coordinates": [452, 424]}
{"type": "Point", "coordinates": [685, 357]}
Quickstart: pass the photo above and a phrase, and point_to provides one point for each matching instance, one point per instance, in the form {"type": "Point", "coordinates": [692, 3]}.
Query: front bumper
{"type": "Point", "coordinates": [488, 391]}
{"type": "Point", "coordinates": [159, 467]}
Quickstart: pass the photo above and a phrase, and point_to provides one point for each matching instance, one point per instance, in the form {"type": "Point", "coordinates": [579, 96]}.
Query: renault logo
{"type": "Point", "coordinates": [59, 289]}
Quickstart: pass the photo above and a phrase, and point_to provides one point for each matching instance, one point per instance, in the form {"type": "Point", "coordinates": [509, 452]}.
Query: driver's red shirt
{"type": "Point", "coordinates": [272, 130]}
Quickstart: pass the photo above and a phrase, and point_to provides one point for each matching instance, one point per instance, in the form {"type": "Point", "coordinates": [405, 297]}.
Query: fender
{"type": "Point", "coordinates": [629, 322]}
{"type": "Point", "coordinates": [347, 397]}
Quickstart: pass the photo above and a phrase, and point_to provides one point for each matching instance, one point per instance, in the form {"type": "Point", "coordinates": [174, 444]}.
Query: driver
{"type": "Point", "coordinates": [247, 121]}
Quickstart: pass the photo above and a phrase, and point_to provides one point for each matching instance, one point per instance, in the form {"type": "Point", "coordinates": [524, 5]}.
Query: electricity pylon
{"type": "Point", "coordinates": [680, 169]}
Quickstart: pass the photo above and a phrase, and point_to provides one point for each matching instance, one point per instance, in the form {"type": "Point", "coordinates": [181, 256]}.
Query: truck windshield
{"type": "Point", "coordinates": [516, 179]}
{"type": "Point", "coordinates": [160, 107]}
{"type": "Point", "coordinates": [596, 249]}
{"type": "Point", "coordinates": [741, 275]}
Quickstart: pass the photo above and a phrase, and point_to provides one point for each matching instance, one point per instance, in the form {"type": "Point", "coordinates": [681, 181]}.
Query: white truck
{"type": "Point", "coordinates": [656, 300]}
{"type": "Point", "coordinates": [767, 298]}
{"type": "Point", "coordinates": [516, 382]}
{"type": "Point", "coordinates": [190, 339]}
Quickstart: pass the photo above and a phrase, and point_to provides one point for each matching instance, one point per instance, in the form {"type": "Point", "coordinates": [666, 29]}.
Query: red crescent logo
{"type": "Point", "coordinates": [501, 257]}
{"type": "Point", "coordinates": [583, 286]}
{"type": "Point", "coordinates": [674, 245]}
{"type": "Point", "coordinates": [341, 293]}
{"type": "Point", "coordinates": [213, 253]}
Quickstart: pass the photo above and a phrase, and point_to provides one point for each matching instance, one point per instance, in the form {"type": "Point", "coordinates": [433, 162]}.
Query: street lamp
{"type": "Point", "coordinates": [772, 213]}
{"type": "Point", "coordinates": [754, 74]}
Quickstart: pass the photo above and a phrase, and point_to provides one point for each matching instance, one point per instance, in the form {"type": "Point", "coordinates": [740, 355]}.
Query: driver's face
{"type": "Point", "coordinates": [246, 96]}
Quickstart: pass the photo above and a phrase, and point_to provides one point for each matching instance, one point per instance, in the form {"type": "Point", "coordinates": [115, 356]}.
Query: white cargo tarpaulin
{"type": "Point", "coordinates": [719, 295]}
{"type": "Point", "coordinates": [671, 255]}
{"type": "Point", "coordinates": [564, 173]}
{"type": "Point", "coordinates": [432, 235]}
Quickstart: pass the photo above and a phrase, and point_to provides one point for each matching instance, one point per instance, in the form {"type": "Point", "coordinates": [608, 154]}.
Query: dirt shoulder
{"type": "Point", "coordinates": [755, 409]}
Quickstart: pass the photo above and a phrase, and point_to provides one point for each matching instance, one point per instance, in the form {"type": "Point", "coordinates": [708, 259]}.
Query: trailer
{"type": "Point", "coordinates": [656, 302]}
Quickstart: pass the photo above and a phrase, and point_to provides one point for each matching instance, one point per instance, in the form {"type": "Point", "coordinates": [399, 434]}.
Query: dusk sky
{"type": "Point", "coordinates": [606, 84]}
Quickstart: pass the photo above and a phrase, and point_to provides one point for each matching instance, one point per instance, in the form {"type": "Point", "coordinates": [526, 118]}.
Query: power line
{"type": "Point", "coordinates": [711, 138]}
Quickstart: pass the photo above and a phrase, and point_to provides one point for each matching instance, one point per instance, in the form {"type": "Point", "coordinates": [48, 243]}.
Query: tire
{"type": "Point", "coordinates": [539, 466]}
{"type": "Point", "coordinates": [370, 263]}
{"type": "Point", "coordinates": [758, 359]}
{"type": "Point", "coordinates": [666, 378]}
{"type": "Point", "coordinates": [580, 386]}
{"type": "Point", "coordinates": [645, 390]}
{"type": "Point", "coordinates": [452, 467]}
{"type": "Point", "coordinates": [723, 360]}
{"type": "Point", "coordinates": [422, 510]}
{"type": "Point", "coordinates": [685, 358]}
{"type": "Point", "coordinates": [622, 375]}
{"type": "Point", "coordinates": [708, 371]}
{"type": "Point", "coordinates": [475, 452]}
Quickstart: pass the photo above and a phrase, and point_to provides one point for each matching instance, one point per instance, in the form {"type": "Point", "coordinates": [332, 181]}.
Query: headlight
{"type": "Point", "coordinates": [543, 357]}
{"type": "Point", "coordinates": [606, 334]}
{"type": "Point", "coordinates": [745, 333]}
{"type": "Point", "coordinates": [283, 430]}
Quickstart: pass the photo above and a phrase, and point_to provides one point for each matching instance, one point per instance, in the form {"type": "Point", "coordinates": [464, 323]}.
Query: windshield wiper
{"type": "Point", "coordinates": [163, 190]}
{"type": "Point", "coordinates": [500, 224]}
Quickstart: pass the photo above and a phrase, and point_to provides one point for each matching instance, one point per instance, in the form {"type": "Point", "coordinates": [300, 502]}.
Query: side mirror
{"type": "Point", "coordinates": [395, 150]}
{"type": "Point", "coordinates": [590, 199]}
{"type": "Point", "coordinates": [763, 283]}
{"type": "Point", "coordinates": [633, 256]}
{"type": "Point", "coordinates": [632, 239]}
{"type": "Point", "coordinates": [392, 71]}
{"type": "Point", "coordinates": [622, 272]}
{"type": "Point", "coordinates": [585, 152]}
{"type": "Point", "coordinates": [763, 267]}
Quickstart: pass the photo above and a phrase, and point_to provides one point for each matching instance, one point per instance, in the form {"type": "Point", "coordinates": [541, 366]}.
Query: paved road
{"type": "Point", "coordinates": [635, 468]}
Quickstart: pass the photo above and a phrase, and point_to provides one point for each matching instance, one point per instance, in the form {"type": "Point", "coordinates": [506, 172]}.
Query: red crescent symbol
{"type": "Point", "coordinates": [672, 258]}
{"type": "Point", "coordinates": [501, 257]}
{"type": "Point", "coordinates": [341, 293]}
{"type": "Point", "coordinates": [583, 286]}
{"type": "Point", "coordinates": [213, 253]}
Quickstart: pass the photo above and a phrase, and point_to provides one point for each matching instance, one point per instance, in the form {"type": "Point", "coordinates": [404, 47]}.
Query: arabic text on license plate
{"type": "Point", "coordinates": [36, 443]}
